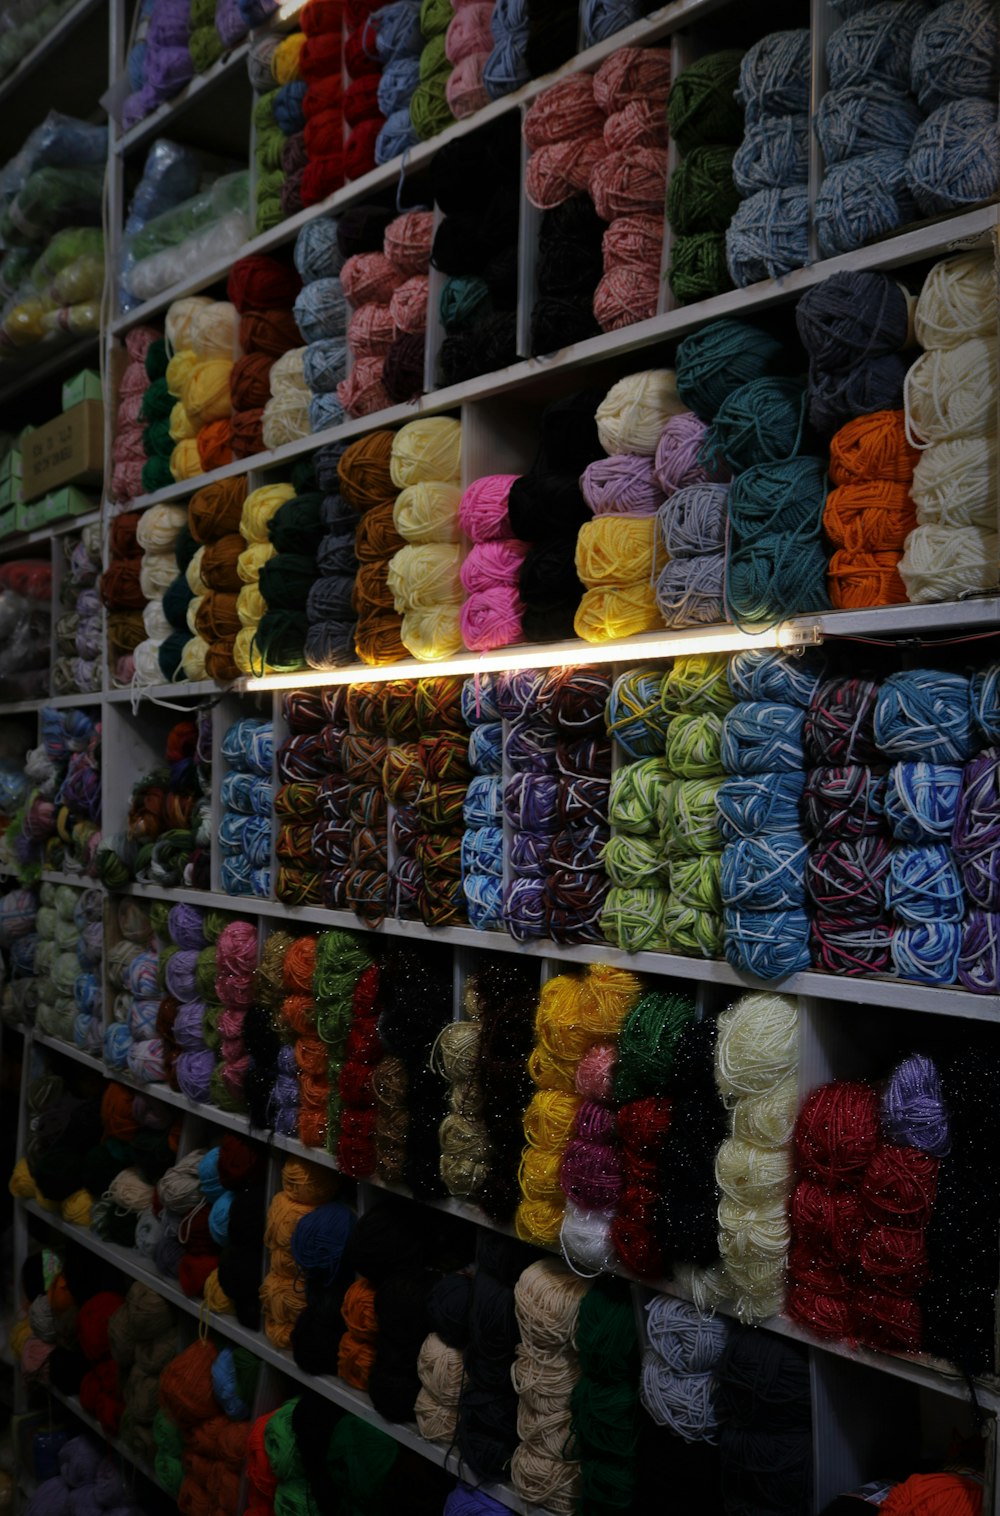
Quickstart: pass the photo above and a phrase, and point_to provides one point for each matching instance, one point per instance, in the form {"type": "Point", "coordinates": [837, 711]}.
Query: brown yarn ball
{"type": "Point", "coordinates": [272, 333]}
{"type": "Point", "coordinates": [249, 381]}
{"type": "Point", "coordinates": [363, 471]}
{"type": "Point", "coordinates": [214, 511]}
{"type": "Point", "coordinates": [218, 565]}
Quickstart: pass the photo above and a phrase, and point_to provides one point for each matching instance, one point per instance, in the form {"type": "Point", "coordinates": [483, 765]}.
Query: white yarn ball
{"type": "Point", "coordinates": [958, 300]}
{"type": "Point", "coordinates": [147, 663]}
{"type": "Point", "coordinates": [158, 528]}
{"type": "Point", "coordinates": [686, 1339]}
{"type": "Point", "coordinates": [951, 392]}
{"type": "Point", "coordinates": [683, 1402]}
{"type": "Point", "coordinates": [585, 1238]}
{"type": "Point", "coordinates": [957, 483]}
{"type": "Point", "coordinates": [943, 562]}
{"type": "Point", "coordinates": [634, 412]}
{"type": "Point", "coordinates": [154, 619]}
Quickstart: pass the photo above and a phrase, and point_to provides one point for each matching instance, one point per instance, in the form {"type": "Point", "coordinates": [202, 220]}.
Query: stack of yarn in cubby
{"type": "Point", "coordinates": [482, 846]}
{"type": "Point", "coordinates": [279, 119]}
{"type": "Point", "coordinates": [430, 110]}
{"type": "Point", "coordinates": [213, 520]}
{"type": "Point", "coordinates": [123, 599]}
{"type": "Point", "coordinates": [320, 64]}
{"type": "Point", "coordinates": [953, 74]}
{"type": "Point", "coordinates": [399, 48]}
{"type": "Point", "coordinates": [285, 417]}
{"type": "Point", "coordinates": [354, 1101]}
{"type": "Point", "coordinates": [468, 43]}
{"type": "Point", "coordinates": [301, 1090]}
{"type": "Point", "coordinates": [287, 579]}
{"type": "Point", "coordinates": [411, 1092]}
{"type": "Point", "coordinates": [19, 942]}
{"type": "Point", "coordinates": [576, 886]}
{"type": "Point", "coordinates": [691, 525]}
{"type": "Point", "coordinates": [146, 363]}
{"type": "Point", "coordinates": [387, 290]}
{"type": "Point", "coordinates": [570, 264]}
{"type": "Point", "coordinates": [166, 840]}
{"type": "Point", "coordinates": [245, 828]}
{"type": "Point", "coordinates": [304, 1186]}
{"type": "Point", "coordinates": [492, 614]}
{"type": "Point", "coordinates": [635, 862]}
{"type": "Point", "coordinates": [77, 666]}
{"type": "Point", "coordinates": [263, 291]}
{"type": "Point", "coordinates": [165, 63]}
{"type": "Point", "coordinates": [321, 316]}
{"type": "Point", "coordinates": [158, 533]}
{"type": "Point", "coordinates": [54, 807]}
{"type": "Point", "coordinates": [202, 1429]}
{"type": "Point", "coordinates": [705, 120]}
{"type": "Point", "coordinates": [361, 73]}
{"type": "Point", "coordinates": [475, 184]}
{"type": "Point", "coordinates": [768, 235]}
{"type": "Point", "coordinates": [366, 488]}
{"type": "Point", "coordinates": [954, 548]}
{"type": "Point", "coordinates": [204, 338]}
{"type": "Point", "coordinates": [547, 1300]}
{"type": "Point", "coordinates": [68, 964]}
{"type": "Point", "coordinates": [258, 509]}
{"type": "Point", "coordinates": [303, 761]}
{"type": "Point", "coordinates": [359, 801]}
{"type": "Point", "coordinates": [423, 577]}
{"type": "Point", "coordinates": [321, 1250]}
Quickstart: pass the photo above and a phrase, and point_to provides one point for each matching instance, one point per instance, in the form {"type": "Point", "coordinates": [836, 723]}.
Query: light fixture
{"type": "Point", "coordinates": [553, 655]}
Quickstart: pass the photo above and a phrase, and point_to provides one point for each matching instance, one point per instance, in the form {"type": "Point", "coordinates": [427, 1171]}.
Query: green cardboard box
{"type": "Point", "coordinates": [86, 385]}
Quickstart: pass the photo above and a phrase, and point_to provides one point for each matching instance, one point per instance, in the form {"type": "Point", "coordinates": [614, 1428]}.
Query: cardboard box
{"type": "Point", "coordinates": [68, 450]}
{"type": "Point", "coordinates": [86, 385]}
{"type": "Point", "coordinates": [69, 501]}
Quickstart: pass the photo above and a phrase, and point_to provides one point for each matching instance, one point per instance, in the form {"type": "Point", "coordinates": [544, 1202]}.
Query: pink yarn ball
{"type": "Point", "coordinates": [130, 410]}
{"type": "Point", "coordinates": [469, 32]}
{"type": "Point", "coordinates": [127, 446]}
{"type": "Point", "coordinates": [595, 1073]}
{"type": "Point", "coordinates": [632, 182]}
{"type": "Point", "coordinates": [491, 563]}
{"type": "Point", "coordinates": [139, 341]}
{"type": "Point", "coordinates": [124, 670]}
{"type": "Point", "coordinates": [676, 462]}
{"type": "Point", "coordinates": [640, 123]}
{"type": "Point", "coordinates": [126, 481]}
{"type": "Point", "coordinates": [407, 242]}
{"type": "Point", "coordinates": [623, 484]}
{"type": "Point", "coordinates": [236, 949]}
{"type": "Point", "coordinates": [369, 276]}
{"type": "Point", "coordinates": [560, 170]}
{"type": "Point", "coordinates": [633, 73]}
{"type": "Point", "coordinates": [634, 242]}
{"type": "Point", "coordinates": [362, 393]}
{"type": "Point", "coordinates": [482, 511]}
{"type": "Point", "coordinates": [370, 331]}
{"type": "Point", "coordinates": [465, 91]}
{"type": "Point", "coordinates": [624, 296]}
{"type": "Point", "coordinates": [135, 380]}
{"type": "Point", "coordinates": [564, 113]}
{"type": "Point", "coordinates": [408, 306]}
{"type": "Point", "coordinates": [491, 618]}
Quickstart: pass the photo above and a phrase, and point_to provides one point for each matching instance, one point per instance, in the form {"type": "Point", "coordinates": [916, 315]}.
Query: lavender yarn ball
{"type": "Point", "coordinates": [194, 1073]}
{"type": "Point", "coordinates": [913, 1109]}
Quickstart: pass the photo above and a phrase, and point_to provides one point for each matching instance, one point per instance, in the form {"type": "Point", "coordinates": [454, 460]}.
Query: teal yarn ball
{"type": "Point", "coordinates": [719, 358]}
{"type": "Point", "coordinates": [955, 54]}
{"type": "Point", "coordinates": [787, 497]}
{"type": "Point", "coordinates": [774, 154]}
{"type": "Point", "coordinates": [864, 198]}
{"type": "Point", "coordinates": [954, 159]}
{"type": "Point", "coordinates": [761, 422]}
{"type": "Point", "coordinates": [862, 118]}
{"type": "Point", "coordinates": [774, 577]}
{"type": "Point", "coordinates": [775, 75]}
{"type": "Point", "coordinates": [925, 715]}
{"type": "Point", "coordinates": [766, 873]}
{"type": "Point", "coordinates": [170, 652]}
{"type": "Point", "coordinates": [874, 46]}
{"type": "Point", "coordinates": [768, 236]}
{"type": "Point", "coordinates": [464, 299]}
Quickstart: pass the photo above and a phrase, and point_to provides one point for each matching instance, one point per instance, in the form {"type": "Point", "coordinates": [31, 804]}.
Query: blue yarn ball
{"type": "Point", "coordinates": [836, 397]}
{"type": "Point", "coordinates": [509, 18]}
{"type": "Point", "coordinates": [768, 235]}
{"type": "Point", "coordinates": [482, 851]}
{"type": "Point", "coordinates": [135, 66]}
{"type": "Point", "coordinates": [506, 68]}
{"type": "Point", "coordinates": [289, 114]}
{"type": "Point", "coordinates": [762, 737]}
{"type": "Point", "coordinates": [985, 692]}
{"type": "Point", "coordinates": [209, 1183]}
{"type": "Point", "coordinates": [921, 801]}
{"type": "Point", "coordinates": [479, 702]}
{"type": "Point", "coordinates": [775, 75]}
{"type": "Point", "coordinates": [765, 873]}
{"type": "Point", "coordinates": [117, 1041]}
{"type": "Point", "coordinates": [928, 953]}
{"type": "Point", "coordinates": [484, 901]}
{"type": "Point", "coordinates": [768, 674]}
{"type": "Point", "coordinates": [759, 804]}
{"type": "Point", "coordinates": [324, 411]}
{"type": "Point", "coordinates": [771, 945]}
{"type": "Point", "coordinates": [218, 1218]}
{"type": "Point", "coordinates": [864, 198]}
{"type": "Point", "coordinates": [852, 317]}
{"type": "Point", "coordinates": [399, 79]}
{"type": "Point", "coordinates": [483, 804]}
{"type": "Point", "coordinates": [486, 748]}
{"type": "Point", "coordinates": [774, 154]}
{"type": "Point", "coordinates": [317, 255]}
{"type": "Point", "coordinates": [955, 157]}
{"type": "Point", "coordinates": [718, 359]}
{"type": "Point", "coordinates": [324, 364]}
{"type": "Point", "coordinates": [602, 18]}
{"type": "Point", "coordinates": [396, 136]}
{"type": "Point", "coordinates": [319, 1240]}
{"type": "Point", "coordinates": [87, 994]}
{"type": "Point", "coordinates": [874, 46]}
{"type": "Point", "coordinates": [925, 714]}
{"type": "Point", "coordinates": [320, 309]}
{"type": "Point", "coordinates": [224, 1383]}
{"type": "Point", "coordinates": [955, 54]}
{"type": "Point", "coordinates": [862, 118]}
{"type": "Point", "coordinates": [924, 885]}
{"type": "Point", "coordinates": [398, 33]}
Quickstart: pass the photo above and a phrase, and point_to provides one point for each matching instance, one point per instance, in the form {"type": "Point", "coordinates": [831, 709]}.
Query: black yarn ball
{"type": "Point", "coordinates": [67, 1367]}
{"type": "Point", "coordinates": [460, 246]}
{"type": "Point", "coordinates": [550, 623]}
{"type": "Point", "coordinates": [504, 1258]}
{"type": "Point", "coordinates": [393, 1387]}
{"type": "Point", "coordinates": [448, 1307]}
{"type": "Point", "coordinates": [500, 273]}
{"type": "Point", "coordinates": [465, 173]}
{"type": "Point", "coordinates": [403, 370]}
{"type": "Point", "coordinates": [317, 1332]}
{"type": "Point", "coordinates": [247, 1216]}
{"type": "Point", "coordinates": [552, 35]}
{"type": "Point", "coordinates": [257, 1087]}
{"type": "Point", "coordinates": [559, 322]}
{"type": "Point", "coordinates": [569, 432]}
{"type": "Point", "coordinates": [545, 506]}
{"type": "Point", "coordinates": [487, 1431]}
{"type": "Point", "coordinates": [388, 1238]}
{"type": "Point", "coordinates": [239, 1277]}
{"type": "Point", "coordinates": [361, 229]}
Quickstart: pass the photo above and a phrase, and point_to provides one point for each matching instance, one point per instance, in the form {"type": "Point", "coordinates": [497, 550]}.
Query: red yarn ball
{"type": "Point", "coordinates": [322, 178]}
{"type": "Point", "coordinates": [324, 133]}
{"type": "Point", "coordinates": [92, 1323]}
{"type": "Point", "coordinates": [240, 1162]}
{"type": "Point", "coordinates": [363, 393]}
{"type": "Point", "coordinates": [259, 283]}
{"type": "Point", "coordinates": [321, 57]}
{"type": "Point", "coordinates": [193, 1271]}
{"type": "Point", "coordinates": [900, 1186]}
{"type": "Point", "coordinates": [837, 1131]}
{"type": "Point", "coordinates": [359, 153]}
{"type": "Point", "coordinates": [361, 100]}
{"type": "Point", "coordinates": [360, 56]}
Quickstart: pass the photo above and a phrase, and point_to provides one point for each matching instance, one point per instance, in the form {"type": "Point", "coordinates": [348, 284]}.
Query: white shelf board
{"type": "Point", "coordinates": [18, 540]}
{"type": "Point", "coordinates": [70, 1050]}
{"type": "Point", "coordinates": [334, 1390]}
{"type": "Point", "coordinates": [76, 881]}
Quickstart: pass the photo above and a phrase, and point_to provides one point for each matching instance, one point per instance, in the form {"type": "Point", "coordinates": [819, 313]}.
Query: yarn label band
{"type": "Point", "coordinates": [871, 1494]}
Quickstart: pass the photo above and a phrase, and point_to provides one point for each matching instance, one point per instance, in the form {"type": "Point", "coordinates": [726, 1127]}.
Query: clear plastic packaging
{"type": "Point", "coordinates": [171, 175]}
{"type": "Point", "coordinates": [209, 227]}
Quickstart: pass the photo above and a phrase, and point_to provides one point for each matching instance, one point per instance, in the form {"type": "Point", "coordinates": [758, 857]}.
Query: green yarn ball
{"type": "Point", "coordinates": [157, 359]}
{"type": "Point", "coordinates": [157, 402]}
{"type": "Point", "coordinates": [263, 111]}
{"type": "Point", "coordinates": [205, 47]}
{"type": "Point", "coordinates": [303, 476]}
{"type": "Point", "coordinates": [156, 474]}
{"type": "Point", "coordinates": [702, 106]}
{"type": "Point", "coordinates": [698, 267]}
{"type": "Point", "coordinates": [270, 145]}
{"type": "Point", "coordinates": [435, 18]}
{"type": "Point", "coordinates": [157, 441]}
{"type": "Point", "coordinates": [202, 13]}
{"type": "Point", "coordinates": [434, 61]}
{"type": "Point", "coordinates": [701, 195]}
{"type": "Point", "coordinates": [647, 1043]}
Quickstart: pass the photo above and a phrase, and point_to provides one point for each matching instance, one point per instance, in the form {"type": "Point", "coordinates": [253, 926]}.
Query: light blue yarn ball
{"type": "Point", "coordinates": [486, 748]}
{"type": "Point", "coordinates": [509, 18]}
{"type": "Point", "coordinates": [764, 873]}
{"type": "Point", "coordinates": [483, 804]}
{"type": "Point", "coordinates": [484, 901]}
{"type": "Point", "coordinates": [482, 851]}
{"type": "Point", "coordinates": [602, 18]}
{"type": "Point", "coordinates": [985, 695]}
{"type": "Point", "coordinates": [775, 75]}
{"type": "Point", "coordinates": [768, 944]}
{"type": "Point", "coordinates": [955, 157]}
{"type": "Point", "coordinates": [925, 715]}
{"type": "Point", "coordinates": [224, 1367]}
{"type": "Point", "coordinates": [864, 198]}
{"type": "Point", "coordinates": [924, 884]}
{"type": "Point", "coordinates": [774, 154]}
{"type": "Point", "coordinates": [771, 675]}
{"type": "Point", "coordinates": [873, 46]}
{"type": "Point", "coordinates": [320, 310]}
{"type": "Point", "coordinates": [955, 54]}
{"type": "Point", "coordinates": [324, 364]}
{"type": "Point", "coordinates": [862, 118]}
{"type": "Point", "coordinates": [759, 804]}
{"type": "Point", "coordinates": [136, 66]}
{"type": "Point", "coordinates": [218, 1218]}
{"type": "Point", "coordinates": [398, 33]}
{"type": "Point", "coordinates": [921, 801]}
{"type": "Point", "coordinates": [399, 79]}
{"type": "Point", "coordinates": [317, 255]}
{"type": "Point", "coordinates": [479, 699]}
{"type": "Point", "coordinates": [506, 68]}
{"type": "Point", "coordinates": [117, 1041]}
{"type": "Point", "coordinates": [928, 953]}
{"type": "Point", "coordinates": [762, 737]}
{"type": "Point", "coordinates": [396, 136]}
{"type": "Point", "coordinates": [209, 1183]}
{"type": "Point", "coordinates": [324, 411]}
{"type": "Point", "coordinates": [768, 236]}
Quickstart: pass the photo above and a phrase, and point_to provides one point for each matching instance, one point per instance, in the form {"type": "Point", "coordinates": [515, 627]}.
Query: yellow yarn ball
{"type": "Point", "coordinates": [17, 1337]}
{"type": "Point", "coordinates": [179, 321]}
{"type": "Point", "coordinates": [185, 460]}
{"type": "Point", "coordinates": [193, 607]}
{"type": "Point", "coordinates": [538, 1174]}
{"type": "Point", "coordinates": [285, 58]}
{"type": "Point", "coordinates": [432, 635]}
{"type": "Point", "coordinates": [243, 649]}
{"type": "Point", "coordinates": [215, 331]}
{"type": "Point", "coordinates": [193, 658]}
{"type": "Point", "coordinates": [250, 603]}
{"type": "Point", "coordinates": [548, 1121]}
{"type": "Point", "coordinates": [615, 551]}
{"type": "Point", "coordinates": [258, 508]}
{"type": "Point", "coordinates": [604, 615]}
{"type": "Point", "coordinates": [539, 1221]}
{"type": "Point", "coordinates": [550, 1073]}
{"type": "Point", "coordinates": [634, 412]}
{"type": "Point", "coordinates": [181, 427]}
{"type": "Point", "coordinates": [285, 418]}
{"type": "Point", "coordinates": [215, 1297]}
{"type": "Point", "coordinates": [425, 450]}
{"type": "Point", "coordinates": [192, 574]}
{"type": "Point", "coordinates": [21, 1183]}
{"type": "Point", "coordinates": [179, 368]}
{"type": "Point", "coordinates": [424, 576]}
{"type": "Point", "coordinates": [206, 392]}
{"type": "Point", "coordinates": [288, 374]}
{"type": "Point", "coordinates": [78, 1208]}
{"type": "Point", "coordinates": [428, 512]}
{"type": "Point", "coordinates": [252, 560]}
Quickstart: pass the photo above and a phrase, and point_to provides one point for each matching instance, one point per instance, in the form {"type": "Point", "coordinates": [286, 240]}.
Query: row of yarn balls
{"type": "Point", "coordinates": [51, 800]}
{"type": "Point", "coordinates": [77, 667]}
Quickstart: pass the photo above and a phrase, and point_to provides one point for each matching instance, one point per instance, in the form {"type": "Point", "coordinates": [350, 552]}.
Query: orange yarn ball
{"type": "Point", "coordinates": [873, 447]}
{"type": "Point", "coordinates": [856, 580]}
{"type": "Point", "coordinates": [869, 516]}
